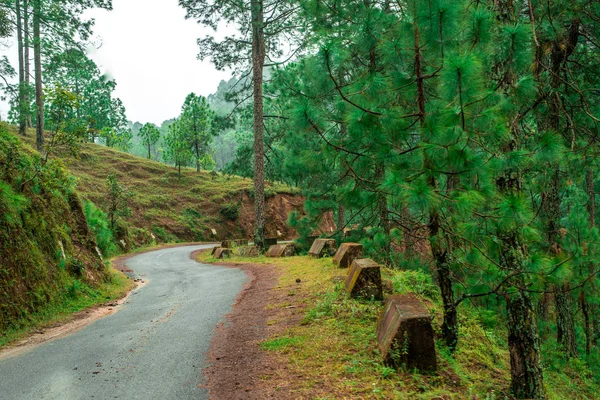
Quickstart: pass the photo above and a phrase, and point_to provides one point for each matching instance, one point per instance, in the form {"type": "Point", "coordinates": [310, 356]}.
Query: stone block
{"type": "Point", "coordinates": [222, 252]}
{"type": "Point", "coordinates": [248, 251]}
{"type": "Point", "coordinates": [230, 244]}
{"type": "Point", "coordinates": [405, 334]}
{"type": "Point", "coordinates": [214, 249]}
{"type": "Point", "coordinates": [347, 253]}
{"type": "Point", "coordinates": [322, 248]}
{"type": "Point", "coordinates": [364, 280]}
{"type": "Point", "coordinates": [281, 250]}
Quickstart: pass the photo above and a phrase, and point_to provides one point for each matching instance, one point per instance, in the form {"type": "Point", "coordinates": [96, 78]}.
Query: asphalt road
{"type": "Point", "coordinates": [153, 348]}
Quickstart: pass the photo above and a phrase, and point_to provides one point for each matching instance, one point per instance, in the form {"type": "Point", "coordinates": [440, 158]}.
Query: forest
{"type": "Point", "coordinates": [458, 138]}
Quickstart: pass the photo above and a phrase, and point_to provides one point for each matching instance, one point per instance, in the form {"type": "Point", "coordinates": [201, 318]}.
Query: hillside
{"type": "Point", "coordinates": [48, 255]}
{"type": "Point", "coordinates": [169, 208]}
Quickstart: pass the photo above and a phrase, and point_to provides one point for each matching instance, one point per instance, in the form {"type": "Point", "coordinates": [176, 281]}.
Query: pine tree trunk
{"type": "Point", "coordinates": [441, 261]}
{"type": "Point", "coordinates": [561, 49]}
{"type": "Point", "coordinates": [383, 212]}
{"type": "Point", "coordinates": [587, 326]}
{"type": "Point", "coordinates": [39, 91]}
{"type": "Point", "coordinates": [409, 236]}
{"type": "Point", "coordinates": [591, 310]}
{"type": "Point", "coordinates": [21, 97]}
{"type": "Point", "coordinates": [258, 61]}
{"type": "Point", "coordinates": [526, 374]}
{"type": "Point", "coordinates": [197, 147]}
{"type": "Point", "coordinates": [27, 62]}
{"type": "Point", "coordinates": [527, 380]}
{"type": "Point", "coordinates": [565, 323]}
{"type": "Point", "coordinates": [439, 243]}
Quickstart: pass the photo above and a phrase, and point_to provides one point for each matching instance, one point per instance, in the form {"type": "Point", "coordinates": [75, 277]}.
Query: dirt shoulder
{"type": "Point", "coordinates": [238, 366]}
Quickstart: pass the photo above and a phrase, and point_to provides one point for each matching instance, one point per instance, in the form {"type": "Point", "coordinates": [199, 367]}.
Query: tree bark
{"type": "Point", "coordinates": [37, 50]}
{"type": "Point", "coordinates": [565, 323]}
{"type": "Point", "coordinates": [527, 380]}
{"type": "Point", "coordinates": [590, 311]}
{"type": "Point", "coordinates": [526, 374]}
{"type": "Point", "coordinates": [383, 212]}
{"type": "Point", "coordinates": [27, 62]}
{"type": "Point", "coordinates": [587, 325]}
{"type": "Point", "coordinates": [21, 97]}
{"type": "Point", "coordinates": [258, 62]}
{"type": "Point", "coordinates": [439, 243]}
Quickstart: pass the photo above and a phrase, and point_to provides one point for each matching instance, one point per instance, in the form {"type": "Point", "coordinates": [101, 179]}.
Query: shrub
{"type": "Point", "coordinates": [230, 211]}
{"type": "Point", "coordinates": [100, 227]}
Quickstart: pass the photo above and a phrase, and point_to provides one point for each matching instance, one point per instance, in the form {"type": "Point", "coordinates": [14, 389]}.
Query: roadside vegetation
{"type": "Point", "coordinates": [77, 296]}
{"type": "Point", "coordinates": [49, 262]}
{"type": "Point", "coordinates": [327, 342]}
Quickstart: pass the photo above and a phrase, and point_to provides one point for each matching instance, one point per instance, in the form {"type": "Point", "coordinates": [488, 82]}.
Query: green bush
{"type": "Point", "coordinates": [163, 235]}
{"type": "Point", "coordinates": [230, 211]}
{"type": "Point", "coordinates": [100, 227]}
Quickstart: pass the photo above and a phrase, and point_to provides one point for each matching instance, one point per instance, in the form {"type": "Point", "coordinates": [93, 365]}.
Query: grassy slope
{"type": "Point", "coordinates": [49, 266]}
{"type": "Point", "coordinates": [173, 208]}
{"type": "Point", "coordinates": [333, 346]}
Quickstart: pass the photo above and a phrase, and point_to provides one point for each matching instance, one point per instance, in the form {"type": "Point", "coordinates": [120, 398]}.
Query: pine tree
{"type": "Point", "coordinates": [195, 123]}
{"type": "Point", "coordinates": [150, 136]}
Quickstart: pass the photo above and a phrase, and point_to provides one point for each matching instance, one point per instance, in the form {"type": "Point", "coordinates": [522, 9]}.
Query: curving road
{"type": "Point", "coordinates": [153, 348]}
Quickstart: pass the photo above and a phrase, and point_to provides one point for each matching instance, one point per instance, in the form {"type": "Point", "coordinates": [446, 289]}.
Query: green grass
{"type": "Point", "coordinates": [333, 346]}
{"type": "Point", "coordinates": [281, 343]}
{"type": "Point", "coordinates": [75, 297]}
{"type": "Point", "coordinates": [161, 197]}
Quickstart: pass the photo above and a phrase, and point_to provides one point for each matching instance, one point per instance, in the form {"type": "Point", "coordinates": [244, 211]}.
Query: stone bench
{"type": "Point", "coordinates": [347, 253]}
{"type": "Point", "coordinates": [281, 250]}
{"type": "Point", "coordinates": [405, 334]}
{"type": "Point", "coordinates": [364, 280]}
{"type": "Point", "coordinates": [322, 247]}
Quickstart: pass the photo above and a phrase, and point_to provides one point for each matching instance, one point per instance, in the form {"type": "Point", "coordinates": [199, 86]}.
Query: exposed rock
{"type": "Point", "coordinates": [364, 280]}
{"type": "Point", "coordinates": [405, 334]}
{"type": "Point", "coordinates": [221, 253]}
{"type": "Point", "coordinates": [347, 253]}
{"type": "Point", "coordinates": [282, 250]}
{"type": "Point", "coordinates": [323, 247]}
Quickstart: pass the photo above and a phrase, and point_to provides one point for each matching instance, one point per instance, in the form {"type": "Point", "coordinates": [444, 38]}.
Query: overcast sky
{"type": "Point", "coordinates": [149, 48]}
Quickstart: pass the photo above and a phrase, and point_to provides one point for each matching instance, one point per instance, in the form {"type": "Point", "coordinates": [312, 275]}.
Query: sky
{"type": "Point", "coordinates": [149, 48]}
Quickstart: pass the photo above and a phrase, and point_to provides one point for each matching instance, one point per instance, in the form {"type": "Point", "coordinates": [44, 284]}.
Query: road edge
{"type": "Point", "coordinates": [235, 361]}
